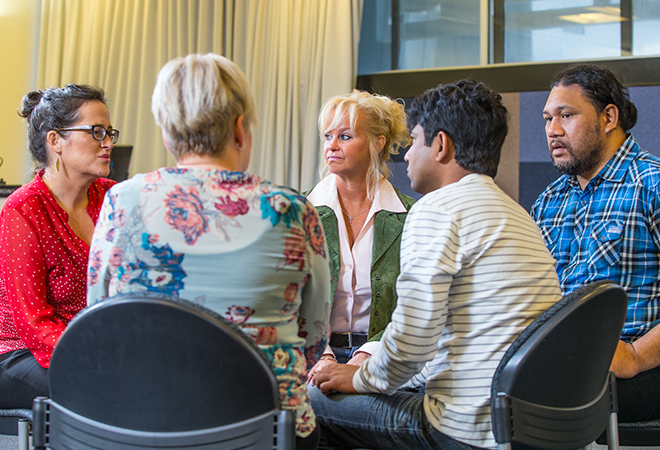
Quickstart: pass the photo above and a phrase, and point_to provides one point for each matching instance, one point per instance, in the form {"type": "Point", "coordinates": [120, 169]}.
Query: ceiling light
{"type": "Point", "coordinates": [592, 18]}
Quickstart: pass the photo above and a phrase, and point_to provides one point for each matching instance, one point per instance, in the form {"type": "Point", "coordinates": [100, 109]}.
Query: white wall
{"type": "Point", "coordinates": [19, 43]}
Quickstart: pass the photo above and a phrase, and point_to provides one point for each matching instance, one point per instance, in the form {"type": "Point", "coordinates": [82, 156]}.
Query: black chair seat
{"type": "Point", "coordinates": [9, 418]}
{"type": "Point", "coordinates": [636, 434]}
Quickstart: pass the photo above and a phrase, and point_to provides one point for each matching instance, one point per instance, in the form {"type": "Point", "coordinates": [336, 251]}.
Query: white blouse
{"type": "Point", "coordinates": [351, 308]}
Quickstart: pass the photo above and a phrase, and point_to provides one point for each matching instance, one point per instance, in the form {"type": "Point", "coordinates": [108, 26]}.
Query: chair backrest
{"type": "Point", "coordinates": [561, 361]}
{"type": "Point", "coordinates": [155, 363]}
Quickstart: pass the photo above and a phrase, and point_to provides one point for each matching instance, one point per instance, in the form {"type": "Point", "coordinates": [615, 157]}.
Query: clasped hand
{"type": "Point", "coordinates": [330, 376]}
{"type": "Point", "coordinates": [335, 378]}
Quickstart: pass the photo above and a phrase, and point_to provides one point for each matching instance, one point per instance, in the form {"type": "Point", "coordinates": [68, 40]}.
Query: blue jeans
{"type": "Point", "coordinates": [377, 421]}
{"type": "Point", "coordinates": [343, 355]}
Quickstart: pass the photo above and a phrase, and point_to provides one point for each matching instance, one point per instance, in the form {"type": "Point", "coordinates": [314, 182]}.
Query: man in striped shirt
{"type": "Point", "coordinates": [601, 219]}
{"type": "Point", "coordinates": [474, 273]}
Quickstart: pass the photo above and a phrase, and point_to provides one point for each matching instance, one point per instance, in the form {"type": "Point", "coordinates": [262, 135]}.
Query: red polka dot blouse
{"type": "Point", "coordinates": [43, 268]}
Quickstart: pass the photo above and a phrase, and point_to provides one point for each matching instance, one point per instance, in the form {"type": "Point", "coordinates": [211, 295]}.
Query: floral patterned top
{"type": "Point", "coordinates": [252, 251]}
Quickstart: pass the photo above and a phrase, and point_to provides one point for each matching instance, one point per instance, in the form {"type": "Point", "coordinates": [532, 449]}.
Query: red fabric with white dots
{"type": "Point", "coordinates": [43, 268]}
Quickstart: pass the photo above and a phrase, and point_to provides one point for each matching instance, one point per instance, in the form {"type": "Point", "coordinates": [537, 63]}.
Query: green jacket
{"type": "Point", "coordinates": [384, 263]}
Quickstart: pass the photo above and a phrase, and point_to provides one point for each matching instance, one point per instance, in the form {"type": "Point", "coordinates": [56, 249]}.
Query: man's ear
{"type": "Point", "coordinates": [445, 151]}
{"type": "Point", "coordinates": [611, 113]}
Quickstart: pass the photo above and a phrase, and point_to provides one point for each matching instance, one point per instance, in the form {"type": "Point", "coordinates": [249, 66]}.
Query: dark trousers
{"type": "Point", "coordinates": [21, 379]}
{"type": "Point", "coordinates": [639, 396]}
{"type": "Point", "coordinates": [311, 442]}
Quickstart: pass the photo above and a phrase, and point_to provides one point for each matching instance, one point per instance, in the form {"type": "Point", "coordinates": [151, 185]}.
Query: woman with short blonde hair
{"type": "Point", "coordinates": [207, 231]}
{"type": "Point", "coordinates": [194, 100]}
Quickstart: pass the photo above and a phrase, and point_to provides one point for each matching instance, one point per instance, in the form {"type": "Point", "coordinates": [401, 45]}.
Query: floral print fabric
{"type": "Point", "coordinates": [252, 251]}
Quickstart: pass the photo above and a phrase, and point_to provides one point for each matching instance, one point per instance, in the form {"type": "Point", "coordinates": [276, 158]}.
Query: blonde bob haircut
{"type": "Point", "coordinates": [196, 102]}
{"type": "Point", "coordinates": [377, 115]}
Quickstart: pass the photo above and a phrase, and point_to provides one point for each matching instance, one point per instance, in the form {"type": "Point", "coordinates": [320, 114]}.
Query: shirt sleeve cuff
{"type": "Point", "coordinates": [369, 348]}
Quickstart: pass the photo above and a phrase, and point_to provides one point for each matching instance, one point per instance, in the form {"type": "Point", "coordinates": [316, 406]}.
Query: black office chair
{"type": "Point", "coordinates": [553, 389]}
{"type": "Point", "coordinates": [16, 422]}
{"type": "Point", "coordinates": [151, 371]}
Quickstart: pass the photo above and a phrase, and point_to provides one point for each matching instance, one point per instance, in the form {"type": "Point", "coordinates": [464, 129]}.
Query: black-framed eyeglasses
{"type": "Point", "coordinates": [98, 132]}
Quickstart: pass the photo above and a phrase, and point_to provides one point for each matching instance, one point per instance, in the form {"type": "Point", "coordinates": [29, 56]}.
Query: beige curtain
{"type": "Point", "coordinates": [295, 53]}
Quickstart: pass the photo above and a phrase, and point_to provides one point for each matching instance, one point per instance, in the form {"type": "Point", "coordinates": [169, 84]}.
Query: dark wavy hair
{"type": "Point", "coordinates": [602, 87]}
{"type": "Point", "coordinates": [472, 115]}
{"type": "Point", "coordinates": [52, 109]}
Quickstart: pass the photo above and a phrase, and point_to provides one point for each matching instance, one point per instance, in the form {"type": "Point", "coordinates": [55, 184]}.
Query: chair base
{"type": "Point", "coordinates": [16, 426]}
{"type": "Point", "coordinates": [16, 422]}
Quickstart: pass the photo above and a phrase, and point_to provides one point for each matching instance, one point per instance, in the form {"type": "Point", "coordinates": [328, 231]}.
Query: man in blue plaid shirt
{"type": "Point", "coordinates": [601, 219]}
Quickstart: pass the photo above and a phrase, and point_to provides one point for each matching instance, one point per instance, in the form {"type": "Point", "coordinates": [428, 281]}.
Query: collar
{"type": "Point", "coordinates": [474, 178]}
{"type": "Point", "coordinates": [325, 194]}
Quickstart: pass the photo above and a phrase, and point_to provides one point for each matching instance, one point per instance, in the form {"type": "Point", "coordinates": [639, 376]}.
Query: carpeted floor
{"type": "Point", "coordinates": [8, 442]}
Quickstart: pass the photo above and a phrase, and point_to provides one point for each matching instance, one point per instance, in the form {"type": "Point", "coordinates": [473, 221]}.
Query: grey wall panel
{"type": "Point", "coordinates": [533, 144]}
{"type": "Point", "coordinates": [647, 130]}
{"type": "Point", "coordinates": [534, 178]}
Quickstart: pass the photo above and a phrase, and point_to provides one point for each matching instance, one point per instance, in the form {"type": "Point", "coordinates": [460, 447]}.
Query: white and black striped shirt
{"type": "Point", "coordinates": [474, 273]}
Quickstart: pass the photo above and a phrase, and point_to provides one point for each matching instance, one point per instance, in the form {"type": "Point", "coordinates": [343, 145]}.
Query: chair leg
{"type": "Point", "coordinates": [23, 434]}
{"type": "Point", "coordinates": [286, 432]}
{"type": "Point", "coordinates": [613, 432]}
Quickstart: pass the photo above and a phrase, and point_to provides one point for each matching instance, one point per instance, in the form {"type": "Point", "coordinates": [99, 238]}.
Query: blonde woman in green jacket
{"type": "Point", "coordinates": [362, 216]}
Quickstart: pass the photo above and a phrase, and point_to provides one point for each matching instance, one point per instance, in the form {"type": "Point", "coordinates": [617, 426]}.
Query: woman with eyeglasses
{"type": "Point", "coordinates": [46, 227]}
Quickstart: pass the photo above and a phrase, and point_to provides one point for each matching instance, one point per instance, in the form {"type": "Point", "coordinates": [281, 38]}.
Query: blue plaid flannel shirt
{"type": "Point", "coordinates": [609, 231]}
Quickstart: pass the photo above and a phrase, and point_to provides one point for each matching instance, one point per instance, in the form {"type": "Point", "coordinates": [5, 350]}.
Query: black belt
{"type": "Point", "coordinates": [348, 340]}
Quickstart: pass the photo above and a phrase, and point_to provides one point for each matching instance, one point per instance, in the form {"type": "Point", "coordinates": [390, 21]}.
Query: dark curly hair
{"type": "Point", "coordinates": [52, 109]}
{"type": "Point", "coordinates": [602, 87]}
{"type": "Point", "coordinates": [472, 115]}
